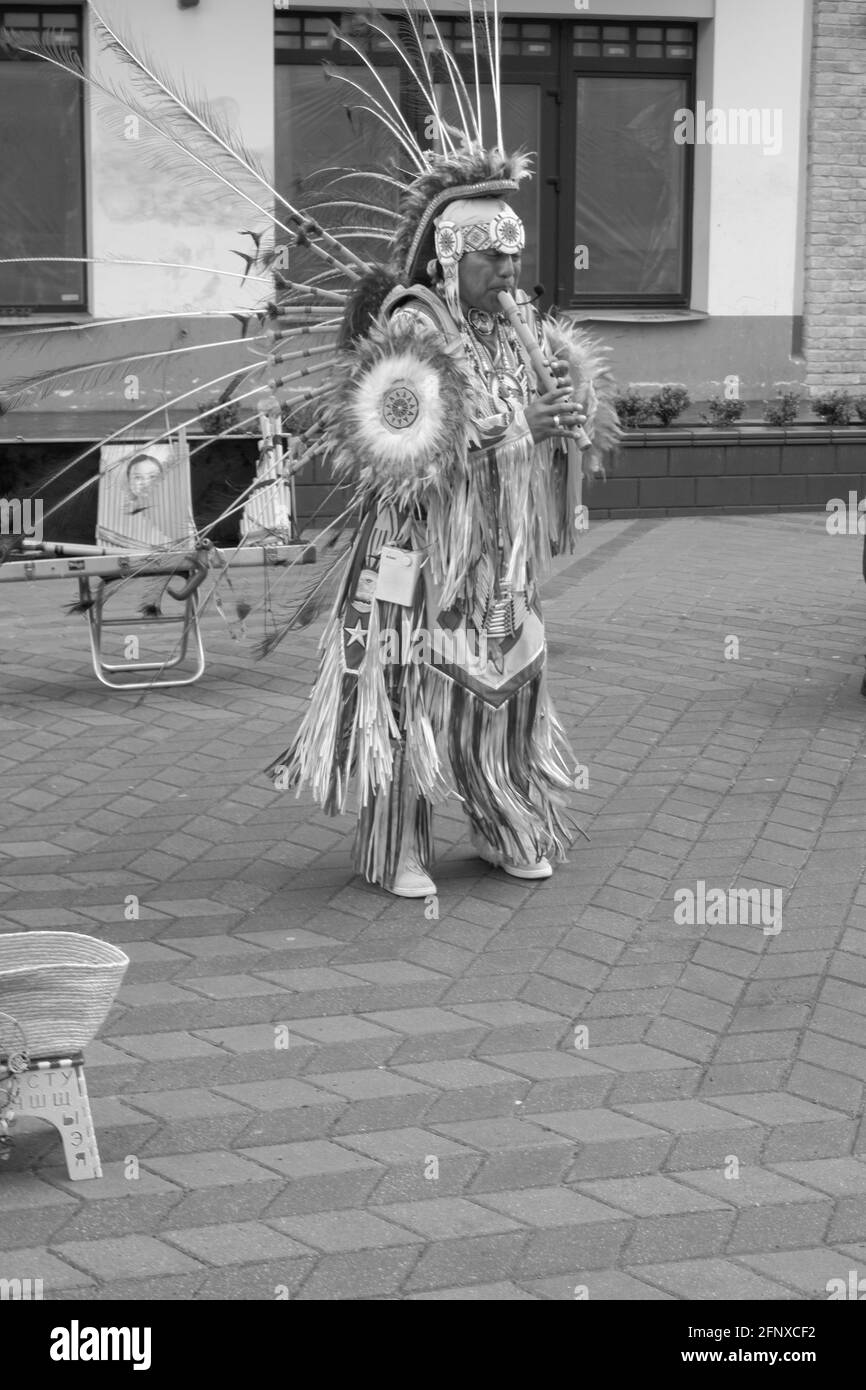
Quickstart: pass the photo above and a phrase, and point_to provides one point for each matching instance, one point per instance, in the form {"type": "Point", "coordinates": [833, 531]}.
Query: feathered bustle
{"type": "Point", "coordinates": [364, 303]}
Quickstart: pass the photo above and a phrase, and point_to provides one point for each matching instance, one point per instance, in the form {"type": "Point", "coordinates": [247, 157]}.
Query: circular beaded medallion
{"type": "Point", "coordinates": [400, 407]}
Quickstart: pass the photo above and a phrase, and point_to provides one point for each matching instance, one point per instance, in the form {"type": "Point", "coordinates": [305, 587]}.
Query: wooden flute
{"type": "Point", "coordinates": [539, 362]}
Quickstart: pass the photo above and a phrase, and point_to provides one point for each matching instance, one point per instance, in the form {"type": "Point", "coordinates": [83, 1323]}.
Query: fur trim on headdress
{"type": "Point", "coordinates": [459, 172]}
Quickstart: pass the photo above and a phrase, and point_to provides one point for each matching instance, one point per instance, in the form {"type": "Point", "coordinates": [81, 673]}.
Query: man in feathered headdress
{"type": "Point", "coordinates": [432, 680]}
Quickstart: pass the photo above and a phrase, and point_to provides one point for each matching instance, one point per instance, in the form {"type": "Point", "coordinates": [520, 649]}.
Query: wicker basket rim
{"type": "Point", "coordinates": [58, 936]}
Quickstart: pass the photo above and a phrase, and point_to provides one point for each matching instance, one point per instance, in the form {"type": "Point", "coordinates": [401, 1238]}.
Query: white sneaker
{"type": "Point", "coordinates": [541, 868]}
{"type": "Point", "coordinates": [412, 881]}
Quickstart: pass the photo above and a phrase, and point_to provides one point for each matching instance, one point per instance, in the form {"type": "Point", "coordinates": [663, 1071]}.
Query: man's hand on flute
{"type": "Point", "coordinates": [554, 413]}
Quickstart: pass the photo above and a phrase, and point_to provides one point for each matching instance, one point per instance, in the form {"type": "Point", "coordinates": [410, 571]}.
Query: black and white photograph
{"type": "Point", "coordinates": [432, 693]}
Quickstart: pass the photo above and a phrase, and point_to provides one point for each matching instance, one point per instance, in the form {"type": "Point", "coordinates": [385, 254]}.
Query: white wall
{"type": "Point", "coordinates": [754, 219]}
{"type": "Point", "coordinates": [224, 50]}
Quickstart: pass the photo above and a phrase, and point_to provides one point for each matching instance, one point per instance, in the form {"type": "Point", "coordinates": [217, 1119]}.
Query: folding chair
{"type": "Point", "coordinates": [145, 529]}
{"type": "Point", "coordinates": [144, 508]}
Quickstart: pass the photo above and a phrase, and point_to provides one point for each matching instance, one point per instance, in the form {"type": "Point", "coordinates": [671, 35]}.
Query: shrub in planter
{"type": "Point", "coordinates": [721, 412]}
{"type": "Point", "coordinates": [783, 410]}
{"type": "Point", "coordinates": [634, 410]}
{"type": "Point", "coordinates": [669, 402]}
{"type": "Point", "coordinates": [860, 407]}
{"type": "Point", "coordinates": [834, 407]}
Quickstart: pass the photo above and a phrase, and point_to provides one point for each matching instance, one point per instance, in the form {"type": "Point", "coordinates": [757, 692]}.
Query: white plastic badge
{"type": "Point", "coordinates": [398, 575]}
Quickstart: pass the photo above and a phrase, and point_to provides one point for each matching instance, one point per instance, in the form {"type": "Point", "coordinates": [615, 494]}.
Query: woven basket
{"type": "Point", "coordinates": [59, 987]}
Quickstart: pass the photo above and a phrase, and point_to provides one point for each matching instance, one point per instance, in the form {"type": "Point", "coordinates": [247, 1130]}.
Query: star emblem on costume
{"type": "Point", "coordinates": [358, 633]}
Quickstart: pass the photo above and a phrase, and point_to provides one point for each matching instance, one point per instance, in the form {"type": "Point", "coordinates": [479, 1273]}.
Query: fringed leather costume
{"type": "Point", "coordinates": [437, 686]}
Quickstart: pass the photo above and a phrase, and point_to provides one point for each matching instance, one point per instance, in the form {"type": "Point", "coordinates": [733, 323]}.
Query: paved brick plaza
{"type": "Point", "coordinates": [414, 1039]}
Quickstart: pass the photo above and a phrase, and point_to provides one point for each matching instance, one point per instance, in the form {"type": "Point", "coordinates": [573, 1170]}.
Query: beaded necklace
{"type": "Point", "coordinates": [498, 362]}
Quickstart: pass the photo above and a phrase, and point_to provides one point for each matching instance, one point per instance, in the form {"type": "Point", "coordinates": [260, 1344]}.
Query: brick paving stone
{"type": "Point", "coordinates": [122, 1129]}
{"type": "Point", "coordinates": [470, 1089]}
{"type": "Point", "coordinates": [697, 1008]}
{"type": "Point", "coordinates": [375, 1272]}
{"type": "Point", "coordinates": [575, 969]}
{"type": "Point", "coordinates": [844, 1179]}
{"type": "Point", "coordinates": [190, 1119]}
{"type": "Point", "coordinates": [233, 1243]}
{"type": "Point", "coordinates": [562, 1081]}
{"type": "Point", "coordinates": [177, 1062]}
{"type": "Point", "coordinates": [342, 1042]}
{"type": "Point", "coordinates": [713, 1279]}
{"type": "Point", "coordinates": [343, 1231]}
{"type": "Point", "coordinates": [557, 996]}
{"type": "Point", "coordinates": [597, 1286]}
{"type": "Point", "coordinates": [798, 1129]}
{"type": "Point", "coordinates": [670, 1220]}
{"type": "Point", "coordinates": [645, 1073]}
{"type": "Point", "coordinates": [150, 961]}
{"type": "Point", "coordinates": [517, 1153]}
{"type": "Point", "coordinates": [31, 1211]}
{"type": "Point", "coordinates": [449, 1218]}
{"type": "Point", "coordinates": [568, 1230]}
{"type": "Point", "coordinates": [315, 1175]}
{"type": "Point", "coordinates": [592, 945]}
{"type": "Point", "coordinates": [814, 1083]}
{"type": "Point", "coordinates": [254, 1051]}
{"type": "Point", "coordinates": [702, 1136]}
{"type": "Point", "coordinates": [281, 1109]}
{"type": "Point", "coordinates": [512, 1025]}
{"type": "Point", "coordinates": [775, 1212]}
{"type": "Point", "coordinates": [807, 1272]}
{"type": "Point", "coordinates": [213, 1183]}
{"type": "Point", "coordinates": [752, 1047]}
{"type": "Point", "coordinates": [503, 1292]}
{"type": "Point", "coordinates": [110, 1069]}
{"type": "Point", "coordinates": [57, 1276]}
{"type": "Point", "coordinates": [725, 1078]}
{"type": "Point", "coordinates": [426, 1035]}
{"type": "Point", "coordinates": [376, 1099]}
{"type": "Point", "coordinates": [125, 1200]}
{"type": "Point", "coordinates": [609, 1144]}
{"type": "Point", "coordinates": [682, 1039]}
{"type": "Point", "coordinates": [127, 1257]}
{"type": "Point", "coordinates": [416, 1164]}
{"type": "Point", "coordinates": [468, 1243]}
{"type": "Point", "coordinates": [834, 1055]}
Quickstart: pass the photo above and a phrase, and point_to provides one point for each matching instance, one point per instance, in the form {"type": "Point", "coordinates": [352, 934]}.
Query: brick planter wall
{"type": "Point", "coordinates": [835, 261]}
{"type": "Point", "coordinates": [679, 472]}
{"type": "Point", "coordinates": [674, 472]}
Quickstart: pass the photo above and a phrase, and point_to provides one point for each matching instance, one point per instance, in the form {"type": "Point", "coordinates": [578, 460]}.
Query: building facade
{"type": "Point", "coordinates": [699, 177]}
{"type": "Point", "coordinates": [835, 241]}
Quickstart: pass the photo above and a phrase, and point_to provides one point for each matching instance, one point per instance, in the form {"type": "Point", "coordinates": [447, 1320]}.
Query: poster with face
{"type": "Point", "coordinates": [144, 495]}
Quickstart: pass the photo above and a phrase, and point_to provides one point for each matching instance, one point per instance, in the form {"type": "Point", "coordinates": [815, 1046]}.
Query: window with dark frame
{"type": "Point", "coordinates": [42, 212]}
{"type": "Point", "coordinates": [608, 215]}
{"type": "Point", "coordinates": [625, 213]}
